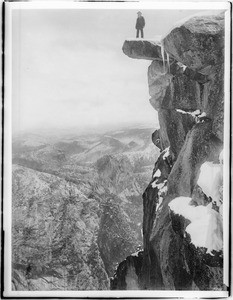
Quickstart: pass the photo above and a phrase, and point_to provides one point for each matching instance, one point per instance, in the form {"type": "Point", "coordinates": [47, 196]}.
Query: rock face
{"type": "Point", "coordinates": [187, 92]}
{"type": "Point", "coordinates": [54, 235]}
{"type": "Point", "coordinates": [199, 42]}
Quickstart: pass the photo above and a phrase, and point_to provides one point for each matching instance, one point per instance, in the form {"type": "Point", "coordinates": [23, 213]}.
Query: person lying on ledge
{"type": "Point", "coordinates": [140, 24]}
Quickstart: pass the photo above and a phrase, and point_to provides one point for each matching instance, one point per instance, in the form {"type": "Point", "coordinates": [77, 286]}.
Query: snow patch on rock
{"type": "Point", "coordinates": [167, 152]}
{"type": "Point", "coordinates": [202, 115]}
{"type": "Point", "coordinates": [192, 113]}
{"type": "Point", "coordinates": [196, 114]}
{"type": "Point", "coordinates": [205, 228]}
{"type": "Point", "coordinates": [181, 65]}
{"type": "Point", "coordinates": [211, 180]}
{"type": "Point", "coordinates": [162, 190]}
{"type": "Point", "coordinates": [135, 253]}
{"type": "Point", "coordinates": [157, 185]}
{"type": "Point", "coordinates": [208, 231]}
{"type": "Point", "coordinates": [181, 206]}
{"type": "Point", "coordinates": [157, 173]}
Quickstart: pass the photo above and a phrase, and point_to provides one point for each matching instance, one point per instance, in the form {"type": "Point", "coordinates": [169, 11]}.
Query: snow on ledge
{"type": "Point", "coordinates": [196, 114]}
{"type": "Point", "coordinates": [181, 206]}
{"type": "Point", "coordinates": [205, 228]}
{"type": "Point", "coordinates": [181, 66]}
{"type": "Point", "coordinates": [202, 115]}
{"type": "Point", "coordinates": [211, 180]}
{"type": "Point", "coordinates": [162, 191]}
{"type": "Point", "coordinates": [192, 113]}
{"type": "Point", "coordinates": [166, 153]}
{"type": "Point", "coordinates": [157, 173]}
{"type": "Point", "coordinates": [157, 185]}
{"type": "Point", "coordinates": [135, 253]}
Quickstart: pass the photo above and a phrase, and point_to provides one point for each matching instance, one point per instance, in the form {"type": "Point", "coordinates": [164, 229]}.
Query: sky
{"type": "Point", "coordinates": [69, 69]}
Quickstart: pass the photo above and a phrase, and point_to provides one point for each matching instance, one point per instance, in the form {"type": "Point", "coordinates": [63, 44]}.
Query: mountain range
{"type": "Point", "coordinates": [77, 206]}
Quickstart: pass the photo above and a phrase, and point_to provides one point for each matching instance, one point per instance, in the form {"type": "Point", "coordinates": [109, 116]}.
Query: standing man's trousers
{"type": "Point", "coordinates": [141, 30]}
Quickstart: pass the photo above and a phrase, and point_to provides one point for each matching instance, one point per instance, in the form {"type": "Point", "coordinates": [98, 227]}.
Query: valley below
{"type": "Point", "coordinates": [77, 206]}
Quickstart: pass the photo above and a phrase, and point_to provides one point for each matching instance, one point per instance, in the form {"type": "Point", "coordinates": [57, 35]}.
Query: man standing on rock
{"type": "Point", "coordinates": [140, 24]}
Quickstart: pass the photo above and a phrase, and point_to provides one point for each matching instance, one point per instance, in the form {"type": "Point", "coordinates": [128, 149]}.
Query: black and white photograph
{"type": "Point", "coordinates": [116, 149]}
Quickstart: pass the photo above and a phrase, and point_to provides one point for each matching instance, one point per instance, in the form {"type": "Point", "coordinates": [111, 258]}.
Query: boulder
{"type": "Point", "coordinates": [199, 42]}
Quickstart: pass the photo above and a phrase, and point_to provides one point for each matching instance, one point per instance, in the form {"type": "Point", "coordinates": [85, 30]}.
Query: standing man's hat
{"type": "Point", "coordinates": [139, 12]}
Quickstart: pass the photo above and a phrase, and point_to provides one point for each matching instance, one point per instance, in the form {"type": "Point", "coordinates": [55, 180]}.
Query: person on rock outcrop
{"type": "Point", "coordinates": [140, 24]}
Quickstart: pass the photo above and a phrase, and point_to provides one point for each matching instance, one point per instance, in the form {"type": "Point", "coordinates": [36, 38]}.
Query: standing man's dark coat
{"type": "Point", "coordinates": [140, 24]}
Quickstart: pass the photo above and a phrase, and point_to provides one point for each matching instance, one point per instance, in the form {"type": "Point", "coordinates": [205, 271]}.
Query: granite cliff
{"type": "Point", "coordinates": [182, 205]}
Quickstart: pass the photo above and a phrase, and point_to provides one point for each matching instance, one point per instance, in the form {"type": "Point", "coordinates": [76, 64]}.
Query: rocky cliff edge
{"type": "Point", "coordinates": [182, 223]}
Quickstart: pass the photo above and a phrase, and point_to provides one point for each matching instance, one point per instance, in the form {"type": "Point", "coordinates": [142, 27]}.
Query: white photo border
{"type": "Point", "coordinates": [7, 184]}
